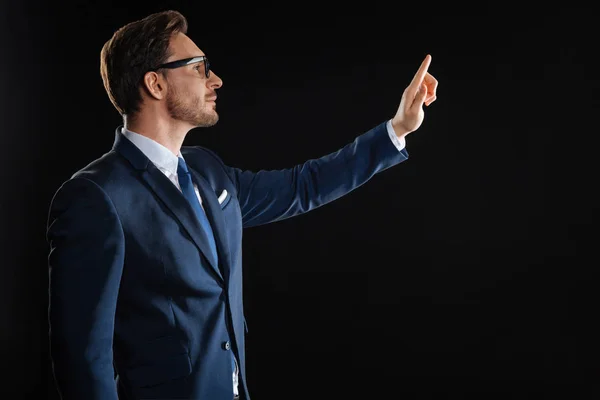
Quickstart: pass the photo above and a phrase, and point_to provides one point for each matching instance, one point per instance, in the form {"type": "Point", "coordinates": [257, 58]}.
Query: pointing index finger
{"type": "Point", "coordinates": [420, 75]}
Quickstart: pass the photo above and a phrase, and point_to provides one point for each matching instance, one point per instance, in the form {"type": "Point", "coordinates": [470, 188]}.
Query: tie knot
{"type": "Point", "coordinates": [182, 166]}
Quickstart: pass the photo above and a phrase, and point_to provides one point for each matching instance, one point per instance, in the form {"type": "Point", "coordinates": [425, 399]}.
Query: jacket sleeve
{"type": "Point", "coordinates": [85, 266]}
{"type": "Point", "coordinates": [268, 196]}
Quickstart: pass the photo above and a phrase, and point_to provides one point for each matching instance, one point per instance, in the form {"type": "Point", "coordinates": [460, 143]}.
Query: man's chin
{"type": "Point", "coordinates": [214, 119]}
{"type": "Point", "coordinates": [208, 122]}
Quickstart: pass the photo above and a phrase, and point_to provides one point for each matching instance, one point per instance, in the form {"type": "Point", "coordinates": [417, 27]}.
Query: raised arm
{"type": "Point", "coordinates": [267, 196]}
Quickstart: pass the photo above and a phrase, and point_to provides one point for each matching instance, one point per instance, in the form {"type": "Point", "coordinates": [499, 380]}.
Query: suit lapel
{"type": "Point", "coordinates": [170, 195]}
{"type": "Point", "coordinates": [215, 216]}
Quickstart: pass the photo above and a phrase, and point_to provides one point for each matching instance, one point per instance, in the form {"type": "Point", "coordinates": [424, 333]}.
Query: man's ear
{"type": "Point", "coordinates": [154, 85]}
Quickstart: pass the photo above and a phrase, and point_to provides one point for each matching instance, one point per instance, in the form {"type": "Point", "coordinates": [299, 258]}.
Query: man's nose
{"type": "Point", "coordinates": [215, 81]}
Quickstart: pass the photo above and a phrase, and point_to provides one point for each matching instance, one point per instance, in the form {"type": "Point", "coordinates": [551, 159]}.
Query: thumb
{"type": "Point", "coordinates": [420, 97]}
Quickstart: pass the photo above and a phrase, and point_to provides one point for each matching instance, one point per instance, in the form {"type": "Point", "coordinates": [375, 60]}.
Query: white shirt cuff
{"type": "Point", "coordinates": [400, 143]}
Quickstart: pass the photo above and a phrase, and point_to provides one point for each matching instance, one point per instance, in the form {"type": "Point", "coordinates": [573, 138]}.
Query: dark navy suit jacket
{"type": "Point", "coordinates": [134, 292]}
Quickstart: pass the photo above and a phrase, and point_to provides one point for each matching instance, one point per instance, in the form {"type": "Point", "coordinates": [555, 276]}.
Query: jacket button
{"type": "Point", "coordinates": [226, 345]}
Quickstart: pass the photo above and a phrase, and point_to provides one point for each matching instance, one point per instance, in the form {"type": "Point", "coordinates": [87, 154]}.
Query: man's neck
{"type": "Point", "coordinates": [170, 135]}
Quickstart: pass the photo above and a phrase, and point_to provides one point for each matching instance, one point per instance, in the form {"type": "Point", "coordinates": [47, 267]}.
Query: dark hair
{"type": "Point", "coordinates": [132, 51]}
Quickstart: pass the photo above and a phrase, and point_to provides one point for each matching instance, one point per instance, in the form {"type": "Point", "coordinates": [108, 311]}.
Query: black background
{"type": "Point", "coordinates": [468, 271]}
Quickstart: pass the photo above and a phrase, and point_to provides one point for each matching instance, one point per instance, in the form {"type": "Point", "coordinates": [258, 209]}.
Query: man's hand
{"type": "Point", "coordinates": [422, 90]}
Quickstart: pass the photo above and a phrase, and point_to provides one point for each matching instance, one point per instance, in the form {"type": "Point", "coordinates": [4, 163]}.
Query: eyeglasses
{"type": "Point", "coordinates": [187, 61]}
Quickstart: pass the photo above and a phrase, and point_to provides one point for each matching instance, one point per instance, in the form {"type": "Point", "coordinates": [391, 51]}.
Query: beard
{"type": "Point", "coordinates": [187, 107]}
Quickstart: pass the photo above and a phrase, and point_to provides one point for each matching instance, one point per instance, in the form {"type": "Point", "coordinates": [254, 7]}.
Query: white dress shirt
{"type": "Point", "coordinates": [167, 163]}
{"type": "Point", "coordinates": [160, 156]}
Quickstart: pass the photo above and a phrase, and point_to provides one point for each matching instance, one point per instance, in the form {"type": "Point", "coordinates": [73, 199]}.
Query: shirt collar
{"type": "Point", "coordinates": [156, 152]}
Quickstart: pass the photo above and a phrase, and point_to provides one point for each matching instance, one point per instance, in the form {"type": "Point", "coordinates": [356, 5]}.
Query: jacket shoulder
{"type": "Point", "coordinates": [106, 169]}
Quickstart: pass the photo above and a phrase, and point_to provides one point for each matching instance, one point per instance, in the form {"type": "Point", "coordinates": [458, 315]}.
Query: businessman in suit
{"type": "Point", "coordinates": [145, 242]}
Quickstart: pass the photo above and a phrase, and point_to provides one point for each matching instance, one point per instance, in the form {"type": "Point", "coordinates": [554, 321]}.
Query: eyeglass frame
{"type": "Point", "coordinates": [184, 62]}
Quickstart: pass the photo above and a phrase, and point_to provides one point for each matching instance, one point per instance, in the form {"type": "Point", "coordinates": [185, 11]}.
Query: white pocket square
{"type": "Point", "coordinates": [223, 196]}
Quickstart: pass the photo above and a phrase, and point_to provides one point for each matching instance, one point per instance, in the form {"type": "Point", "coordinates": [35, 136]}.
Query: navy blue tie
{"type": "Point", "coordinates": [185, 181]}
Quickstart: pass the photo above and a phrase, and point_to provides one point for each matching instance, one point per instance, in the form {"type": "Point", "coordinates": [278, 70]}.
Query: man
{"type": "Point", "coordinates": [146, 241]}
